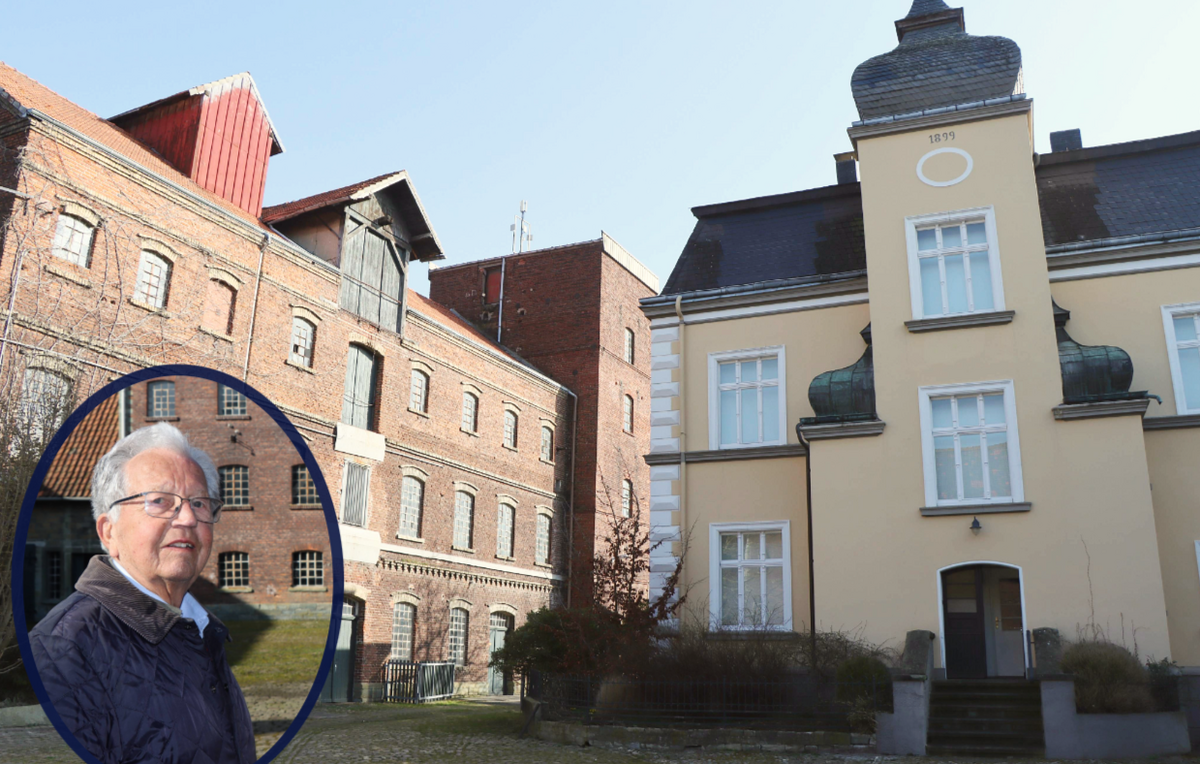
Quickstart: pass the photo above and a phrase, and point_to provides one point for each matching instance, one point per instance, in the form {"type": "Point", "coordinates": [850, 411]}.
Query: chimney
{"type": "Point", "coordinates": [1066, 140]}
{"type": "Point", "coordinates": [847, 167]}
{"type": "Point", "coordinates": [218, 134]}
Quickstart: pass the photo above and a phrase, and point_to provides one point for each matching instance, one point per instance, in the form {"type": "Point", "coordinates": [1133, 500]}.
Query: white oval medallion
{"type": "Point", "coordinates": [942, 183]}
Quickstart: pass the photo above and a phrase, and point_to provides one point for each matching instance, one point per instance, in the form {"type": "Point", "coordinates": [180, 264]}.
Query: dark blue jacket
{"type": "Point", "coordinates": [134, 680]}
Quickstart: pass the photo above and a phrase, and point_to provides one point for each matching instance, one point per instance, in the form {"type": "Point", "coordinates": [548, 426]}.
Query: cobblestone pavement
{"type": "Point", "coordinates": [451, 733]}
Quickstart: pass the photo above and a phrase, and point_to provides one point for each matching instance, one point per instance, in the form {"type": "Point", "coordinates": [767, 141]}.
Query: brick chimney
{"type": "Point", "coordinates": [218, 134]}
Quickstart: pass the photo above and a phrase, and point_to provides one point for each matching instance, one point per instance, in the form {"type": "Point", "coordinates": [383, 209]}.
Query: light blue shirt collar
{"type": "Point", "coordinates": [190, 609]}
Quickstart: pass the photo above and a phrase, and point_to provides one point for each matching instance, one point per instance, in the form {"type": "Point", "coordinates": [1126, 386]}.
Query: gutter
{"type": "Point", "coordinates": [1114, 242]}
{"type": "Point", "coordinates": [682, 435]}
{"type": "Point", "coordinates": [758, 286]}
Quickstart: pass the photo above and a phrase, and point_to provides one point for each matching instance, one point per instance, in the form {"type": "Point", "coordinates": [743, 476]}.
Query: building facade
{"type": "Point", "coordinates": [142, 240]}
{"type": "Point", "coordinates": [959, 395]}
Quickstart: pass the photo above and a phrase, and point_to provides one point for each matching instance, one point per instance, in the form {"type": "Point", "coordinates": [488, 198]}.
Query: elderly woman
{"type": "Point", "coordinates": [132, 662]}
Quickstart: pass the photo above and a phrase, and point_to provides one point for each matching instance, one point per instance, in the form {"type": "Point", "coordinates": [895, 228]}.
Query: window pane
{"type": "Point", "coordinates": [976, 233]}
{"type": "Point", "coordinates": [956, 285]}
{"type": "Point", "coordinates": [927, 239]}
{"type": "Point", "coordinates": [942, 415]}
{"type": "Point", "coordinates": [728, 373]}
{"type": "Point", "coordinates": [981, 281]}
{"type": "Point", "coordinates": [729, 546]}
{"type": "Point", "coordinates": [752, 595]}
{"type": "Point", "coordinates": [775, 546]}
{"type": "Point", "coordinates": [968, 411]}
{"type": "Point", "coordinates": [770, 368]}
{"type": "Point", "coordinates": [728, 417]}
{"type": "Point", "coordinates": [729, 597]}
{"type": "Point", "coordinates": [1185, 328]}
{"type": "Point", "coordinates": [931, 287]}
{"type": "Point", "coordinates": [998, 464]}
{"type": "Point", "coordinates": [749, 371]}
{"type": "Point", "coordinates": [770, 397]}
{"type": "Point", "coordinates": [774, 602]}
{"type": "Point", "coordinates": [993, 409]}
{"type": "Point", "coordinates": [952, 237]}
{"type": "Point", "coordinates": [972, 467]}
{"type": "Point", "coordinates": [752, 548]}
{"type": "Point", "coordinates": [943, 457]}
{"type": "Point", "coordinates": [750, 416]}
{"type": "Point", "coordinates": [1189, 365]}
{"type": "Point", "coordinates": [412, 494]}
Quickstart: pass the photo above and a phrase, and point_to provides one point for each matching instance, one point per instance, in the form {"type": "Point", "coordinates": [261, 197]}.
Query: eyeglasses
{"type": "Point", "coordinates": [167, 505]}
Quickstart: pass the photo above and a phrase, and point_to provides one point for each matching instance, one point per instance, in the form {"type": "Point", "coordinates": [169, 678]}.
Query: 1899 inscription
{"type": "Point", "coordinates": [941, 137]}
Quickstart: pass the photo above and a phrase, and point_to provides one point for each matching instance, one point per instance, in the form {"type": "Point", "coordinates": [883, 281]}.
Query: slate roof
{"type": "Point", "coordinates": [70, 475]}
{"type": "Point", "coordinates": [936, 64]}
{"type": "Point", "coordinates": [808, 233]}
{"type": "Point", "coordinates": [1126, 189]}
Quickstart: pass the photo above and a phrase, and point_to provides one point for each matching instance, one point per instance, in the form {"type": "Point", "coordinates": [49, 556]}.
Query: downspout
{"type": "Point", "coordinates": [262, 251]}
{"type": "Point", "coordinates": [682, 436]}
{"type": "Point", "coordinates": [500, 311]}
{"type": "Point", "coordinates": [812, 586]}
{"type": "Point", "coordinates": [571, 495]}
{"type": "Point", "coordinates": [12, 298]}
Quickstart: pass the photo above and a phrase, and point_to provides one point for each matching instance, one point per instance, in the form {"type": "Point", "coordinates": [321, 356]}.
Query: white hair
{"type": "Point", "coordinates": [108, 479]}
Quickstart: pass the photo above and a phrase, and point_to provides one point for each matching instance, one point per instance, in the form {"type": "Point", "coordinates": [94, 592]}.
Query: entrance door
{"type": "Point", "coordinates": [337, 685]}
{"type": "Point", "coordinates": [965, 640]}
{"type": "Point", "coordinates": [1008, 628]}
{"type": "Point", "coordinates": [500, 624]}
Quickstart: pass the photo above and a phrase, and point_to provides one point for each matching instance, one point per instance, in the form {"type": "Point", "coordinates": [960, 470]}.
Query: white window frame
{"type": "Point", "coordinates": [1169, 313]}
{"type": "Point", "coordinates": [470, 521]}
{"type": "Point", "coordinates": [630, 345]}
{"type": "Point", "coordinates": [714, 571]}
{"type": "Point", "coordinates": [308, 337]}
{"type": "Point", "coordinates": [924, 402]}
{"type": "Point", "coordinates": [142, 286]}
{"type": "Point", "coordinates": [543, 543]}
{"type": "Point", "coordinates": [406, 511]}
{"type": "Point", "coordinates": [714, 395]}
{"type": "Point", "coordinates": [395, 653]}
{"type": "Point", "coordinates": [470, 412]}
{"type": "Point", "coordinates": [458, 656]}
{"type": "Point", "coordinates": [505, 531]}
{"type": "Point", "coordinates": [547, 446]}
{"type": "Point", "coordinates": [911, 224]}
{"type": "Point", "coordinates": [626, 497]}
{"type": "Point", "coordinates": [72, 229]}
{"type": "Point", "coordinates": [511, 433]}
{"type": "Point", "coordinates": [418, 391]}
{"type": "Point", "coordinates": [627, 414]}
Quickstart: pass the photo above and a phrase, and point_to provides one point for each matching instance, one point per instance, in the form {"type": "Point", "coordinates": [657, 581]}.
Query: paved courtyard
{"type": "Point", "coordinates": [454, 733]}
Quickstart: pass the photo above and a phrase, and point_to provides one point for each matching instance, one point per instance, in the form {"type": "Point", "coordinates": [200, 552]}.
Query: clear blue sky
{"type": "Point", "coordinates": [618, 116]}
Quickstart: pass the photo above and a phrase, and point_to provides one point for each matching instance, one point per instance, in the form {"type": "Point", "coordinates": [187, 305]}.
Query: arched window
{"type": "Point", "coordinates": [504, 530]}
{"type": "Point", "coordinates": [235, 485]}
{"type": "Point", "coordinates": [510, 429]}
{"type": "Point", "coordinates": [404, 619]}
{"type": "Point", "coordinates": [153, 279]}
{"type": "Point", "coordinates": [358, 401]}
{"type": "Point", "coordinates": [459, 623]}
{"type": "Point", "coordinates": [626, 498]}
{"type": "Point", "coordinates": [547, 444]}
{"type": "Point", "coordinates": [304, 336]}
{"type": "Point", "coordinates": [308, 569]}
{"type": "Point", "coordinates": [464, 519]}
{"type": "Point", "coordinates": [470, 412]}
{"type": "Point", "coordinates": [73, 239]}
{"type": "Point", "coordinates": [219, 301]}
{"type": "Point", "coordinates": [412, 501]}
{"type": "Point", "coordinates": [233, 568]}
{"type": "Point", "coordinates": [629, 340]}
{"type": "Point", "coordinates": [629, 413]}
{"type": "Point", "coordinates": [542, 542]}
{"type": "Point", "coordinates": [160, 399]}
{"type": "Point", "coordinates": [418, 394]}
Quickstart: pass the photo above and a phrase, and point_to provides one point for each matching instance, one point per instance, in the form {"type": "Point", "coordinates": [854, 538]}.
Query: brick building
{"type": "Point", "coordinates": [141, 240]}
{"type": "Point", "coordinates": [571, 311]}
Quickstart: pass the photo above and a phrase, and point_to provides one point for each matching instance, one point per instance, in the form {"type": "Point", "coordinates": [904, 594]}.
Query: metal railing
{"type": "Point", "coordinates": [409, 682]}
{"type": "Point", "coordinates": [801, 702]}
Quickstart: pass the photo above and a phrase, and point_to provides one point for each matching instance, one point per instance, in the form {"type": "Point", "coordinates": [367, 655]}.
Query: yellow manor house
{"type": "Point", "coordinates": [961, 394]}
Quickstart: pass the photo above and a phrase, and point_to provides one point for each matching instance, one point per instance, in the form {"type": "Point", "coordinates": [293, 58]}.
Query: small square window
{"type": "Point", "coordinates": [234, 569]}
{"type": "Point", "coordinates": [160, 399]}
{"type": "Point", "coordinates": [230, 402]}
{"type": "Point", "coordinates": [308, 569]}
{"type": "Point", "coordinates": [304, 490]}
{"type": "Point", "coordinates": [235, 485]}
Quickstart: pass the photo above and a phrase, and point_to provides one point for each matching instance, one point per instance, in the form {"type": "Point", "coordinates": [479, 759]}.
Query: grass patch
{"type": "Point", "coordinates": [276, 652]}
{"type": "Point", "coordinates": [456, 718]}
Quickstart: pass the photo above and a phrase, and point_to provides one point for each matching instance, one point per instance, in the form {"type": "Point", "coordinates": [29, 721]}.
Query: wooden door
{"type": "Point", "coordinates": [500, 624]}
{"type": "Point", "coordinates": [338, 684]}
{"type": "Point", "coordinates": [965, 640]}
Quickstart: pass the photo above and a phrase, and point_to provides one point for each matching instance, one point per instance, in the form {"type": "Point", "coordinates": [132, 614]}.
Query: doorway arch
{"type": "Point", "coordinates": [993, 648]}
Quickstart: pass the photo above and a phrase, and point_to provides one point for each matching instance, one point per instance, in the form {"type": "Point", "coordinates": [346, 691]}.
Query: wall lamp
{"type": "Point", "coordinates": [975, 526]}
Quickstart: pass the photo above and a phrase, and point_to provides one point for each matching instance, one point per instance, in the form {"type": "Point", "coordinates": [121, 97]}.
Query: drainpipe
{"type": "Point", "coordinates": [571, 492]}
{"type": "Point", "coordinates": [500, 312]}
{"type": "Point", "coordinates": [262, 250]}
{"type": "Point", "coordinates": [682, 435]}
{"type": "Point", "coordinates": [12, 299]}
{"type": "Point", "coordinates": [812, 586]}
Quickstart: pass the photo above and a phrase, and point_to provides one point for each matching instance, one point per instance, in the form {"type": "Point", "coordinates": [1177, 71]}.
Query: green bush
{"type": "Point", "coordinates": [863, 676]}
{"type": "Point", "coordinates": [1108, 679]}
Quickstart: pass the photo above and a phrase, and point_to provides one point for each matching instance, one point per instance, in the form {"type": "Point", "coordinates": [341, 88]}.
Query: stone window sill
{"type": "Point", "coordinates": [308, 588]}
{"type": "Point", "coordinates": [162, 419]}
{"type": "Point", "coordinates": [506, 559]}
{"type": "Point", "coordinates": [299, 366]}
{"type": "Point", "coordinates": [961, 321]}
{"type": "Point", "coordinates": [232, 417]}
{"type": "Point", "coordinates": [66, 273]}
{"type": "Point", "coordinates": [305, 506]}
{"type": "Point", "coordinates": [729, 454]}
{"type": "Point", "coordinates": [214, 333]}
{"type": "Point", "coordinates": [990, 508]}
{"type": "Point", "coordinates": [1171, 422]}
{"type": "Point", "coordinates": [236, 589]}
{"type": "Point", "coordinates": [237, 508]}
{"type": "Point", "coordinates": [843, 430]}
{"type": "Point", "coordinates": [543, 565]}
{"type": "Point", "coordinates": [418, 413]}
{"type": "Point", "coordinates": [1069, 411]}
{"type": "Point", "coordinates": [411, 539]}
{"type": "Point", "coordinates": [150, 308]}
{"type": "Point", "coordinates": [472, 433]}
{"type": "Point", "coordinates": [510, 448]}
{"type": "Point", "coordinates": [465, 549]}
{"type": "Point", "coordinates": [544, 460]}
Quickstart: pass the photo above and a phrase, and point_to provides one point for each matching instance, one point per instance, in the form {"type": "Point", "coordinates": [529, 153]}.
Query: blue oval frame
{"type": "Point", "coordinates": [39, 476]}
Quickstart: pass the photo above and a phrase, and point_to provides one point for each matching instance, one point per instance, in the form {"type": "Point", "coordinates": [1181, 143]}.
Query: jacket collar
{"type": "Point", "coordinates": [151, 619]}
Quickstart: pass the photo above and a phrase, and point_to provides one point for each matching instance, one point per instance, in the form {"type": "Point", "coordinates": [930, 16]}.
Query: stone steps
{"type": "Point", "coordinates": [999, 717]}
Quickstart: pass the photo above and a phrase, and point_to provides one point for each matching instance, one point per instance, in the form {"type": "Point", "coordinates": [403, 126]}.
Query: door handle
{"type": "Point", "coordinates": [997, 623]}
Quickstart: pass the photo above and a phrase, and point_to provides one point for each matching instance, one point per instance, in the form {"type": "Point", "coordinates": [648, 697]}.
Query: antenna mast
{"type": "Point", "coordinates": [522, 232]}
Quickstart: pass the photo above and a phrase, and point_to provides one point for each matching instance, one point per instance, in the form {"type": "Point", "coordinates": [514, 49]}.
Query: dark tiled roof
{"type": "Point", "coordinates": [936, 64]}
{"type": "Point", "coordinates": [278, 212]}
{"type": "Point", "coordinates": [70, 475]}
{"type": "Point", "coordinates": [809, 233]}
{"type": "Point", "coordinates": [1127, 189]}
